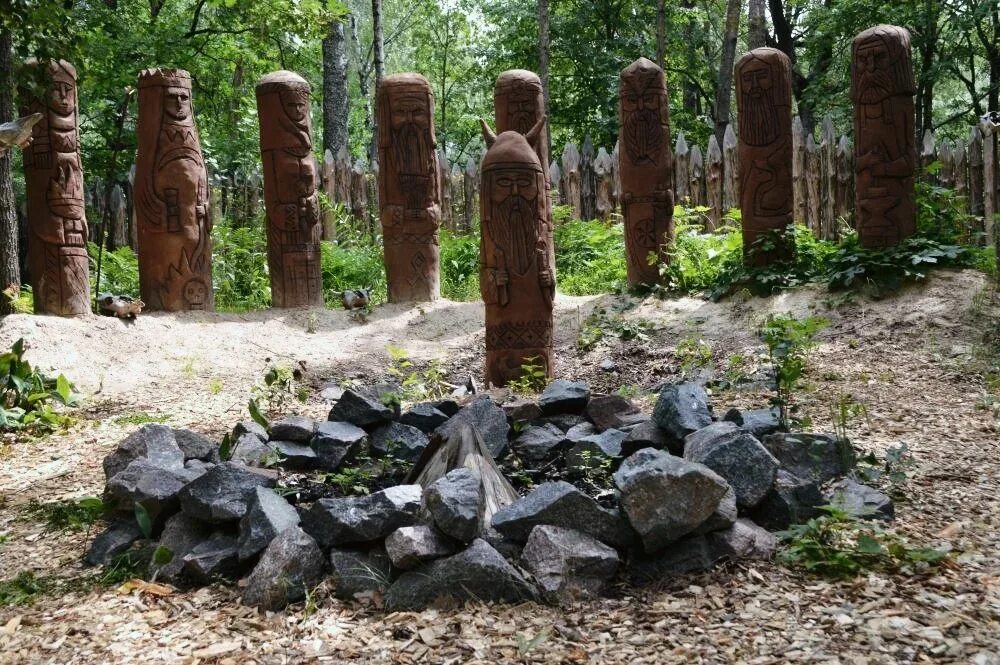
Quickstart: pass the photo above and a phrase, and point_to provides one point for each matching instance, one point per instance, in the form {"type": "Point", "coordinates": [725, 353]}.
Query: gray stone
{"type": "Point", "coordinates": [567, 563]}
{"type": "Point", "coordinates": [488, 418]}
{"type": "Point", "coordinates": [250, 450]}
{"type": "Point", "coordinates": [666, 497]}
{"type": "Point", "coordinates": [148, 484]}
{"type": "Point", "coordinates": [561, 504]}
{"type": "Point", "coordinates": [759, 422]}
{"type": "Point", "coordinates": [249, 427]}
{"type": "Point", "coordinates": [723, 517]}
{"type": "Point", "coordinates": [524, 410]}
{"type": "Point", "coordinates": [791, 500]}
{"type": "Point", "coordinates": [608, 365]}
{"type": "Point", "coordinates": [157, 444]}
{"type": "Point", "coordinates": [291, 565]}
{"type": "Point", "coordinates": [335, 442]}
{"type": "Point", "coordinates": [681, 409]}
{"type": "Point", "coordinates": [456, 504]}
{"type": "Point", "coordinates": [196, 446]}
{"type": "Point", "coordinates": [743, 540]}
{"type": "Point", "coordinates": [181, 534]}
{"type": "Point", "coordinates": [410, 546]}
{"type": "Point", "coordinates": [477, 573]}
{"type": "Point", "coordinates": [398, 440]}
{"type": "Point", "coordinates": [222, 494]}
{"type": "Point", "coordinates": [353, 572]}
{"type": "Point", "coordinates": [860, 500]}
{"type": "Point", "coordinates": [607, 411]}
{"type": "Point", "coordinates": [735, 455]}
{"type": "Point", "coordinates": [596, 451]}
{"type": "Point", "coordinates": [268, 514]}
{"type": "Point", "coordinates": [424, 417]}
{"type": "Point", "coordinates": [538, 444]}
{"type": "Point", "coordinates": [649, 435]}
{"type": "Point", "coordinates": [111, 542]}
{"type": "Point", "coordinates": [362, 519]}
{"type": "Point", "coordinates": [688, 555]}
{"type": "Point", "coordinates": [294, 455]}
{"type": "Point", "coordinates": [360, 410]}
{"type": "Point", "coordinates": [448, 407]}
{"type": "Point", "coordinates": [388, 393]}
{"type": "Point", "coordinates": [564, 421]}
{"type": "Point", "coordinates": [816, 457]}
{"type": "Point", "coordinates": [564, 396]}
{"type": "Point", "coordinates": [508, 547]}
{"type": "Point", "coordinates": [195, 468]}
{"type": "Point", "coordinates": [629, 421]}
{"type": "Point", "coordinates": [331, 392]}
{"type": "Point", "coordinates": [577, 432]}
{"type": "Point", "coordinates": [212, 558]}
{"type": "Point", "coordinates": [293, 428]}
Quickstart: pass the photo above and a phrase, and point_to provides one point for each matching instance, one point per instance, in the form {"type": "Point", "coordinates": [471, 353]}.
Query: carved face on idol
{"type": "Point", "coordinates": [410, 123]}
{"type": "Point", "coordinates": [521, 107]}
{"type": "Point", "coordinates": [641, 108]}
{"type": "Point", "coordinates": [873, 66]}
{"type": "Point", "coordinates": [296, 105]}
{"type": "Point", "coordinates": [62, 98]}
{"type": "Point", "coordinates": [758, 119]}
{"type": "Point", "coordinates": [177, 103]}
{"type": "Point", "coordinates": [514, 194]}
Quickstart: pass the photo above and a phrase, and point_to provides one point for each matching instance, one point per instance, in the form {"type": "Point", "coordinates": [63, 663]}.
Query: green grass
{"type": "Point", "coordinates": [67, 514]}
{"type": "Point", "coordinates": [24, 589]}
{"type": "Point", "coordinates": [141, 418]}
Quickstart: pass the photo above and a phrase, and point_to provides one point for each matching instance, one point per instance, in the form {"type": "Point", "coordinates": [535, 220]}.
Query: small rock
{"type": "Point", "coordinates": [331, 392]}
{"type": "Point", "coordinates": [361, 519]}
{"type": "Point", "coordinates": [354, 572]}
{"type": "Point", "coordinates": [816, 457]}
{"type": "Point", "coordinates": [577, 432]}
{"type": "Point", "coordinates": [111, 542]}
{"type": "Point", "coordinates": [608, 365]}
{"type": "Point", "coordinates": [743, 540]}
{"type": "Point", "coordinates": [360, 410]}
{"type": "Point", "coordinates": [448, 407]}
{"type": "Point", "coordinates": [294, 455]}
{"type": "Point", "coordinates": [561, 504]}
{"type": "Point", "coordinates": [250, 450]}
{"type": "Point", "coordinates": [195, 468]}
{"type": "Point", "coordinates": [409, 546]}
{"type": "Point", "coordinates": [596, 451]}
{"type": "Point", "coordinates": [181, 534]}
{"type": "Point", "coordinates": [567, 563]}
{"type": "Point", "coordinates": [249, 427]}
{"type": "Point", "coordinates": [791, 500]}
{"type": "Point", "coordinates": [268, 514]}
{"type": "Point", "coordinates": [398, 440]}
{"type": "Point", "coordinates": [478, 573]}
{"type": "Point", "coordinates": [424, 417]}
{"type": "Point", "coordinates": [335, 442]}
{"type": "Point", "coordinates": [148, 484]}
{"type": "Point", "coordinates": [196, 446]}
{"type": "Point", "coordinates": [222, 494]}
{"type": "Point", "coordinates": [212, 558]}
{"type": "Point", "coordinates": [290, 566]}
{"type": "Point", "coordinates": [539, 444]}
{"type": "Point", "coordinates": [759, 422]}
{"type": "Point", "coordinates": [666, 497]}
{"type": "Point", "coordinates": [388, 393]}
{"type": "Point", "coordinates": [456, 504]}
{"type": "Point", "coordinates": [735, 455]}
{"type": "Point", "coordinates": [688, 555]}
{"type": "Point", "coordinates": [606, 412]}
{"type": "Point", "coordinates": [723, 517]}
{"type": "Point", "coordinates": [860, 500]}
{"type": "Point", "coordinates": [522, 409]}
{"type": "Point", "coordinates": [649, 435]}
{"type": "Point", "coordinates": [563, 396]}
{"type": "Point", "coordinates": [681, 409]}
{"type": "Point", "coordinates": [293, 428]}
{"type": "Point", "coordinates": [483, 414]}
{"type": "Point", "coordinates": [156, 444]}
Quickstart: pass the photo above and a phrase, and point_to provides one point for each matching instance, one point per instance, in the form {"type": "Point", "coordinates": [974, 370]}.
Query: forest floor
{"type": "Point", "coordinates": [914, 360]}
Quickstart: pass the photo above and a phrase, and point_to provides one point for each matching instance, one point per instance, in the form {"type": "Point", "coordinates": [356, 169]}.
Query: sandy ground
{"type": "Point", "coordinates": [914, 360]}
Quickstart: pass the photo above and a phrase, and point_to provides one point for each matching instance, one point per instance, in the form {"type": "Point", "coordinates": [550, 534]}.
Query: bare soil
{"type": "Point", "coordinates": [915, 361]}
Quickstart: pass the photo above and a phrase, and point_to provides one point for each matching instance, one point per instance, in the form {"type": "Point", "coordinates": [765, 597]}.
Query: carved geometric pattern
{"type": "Point", "coordinates": [520, 335]}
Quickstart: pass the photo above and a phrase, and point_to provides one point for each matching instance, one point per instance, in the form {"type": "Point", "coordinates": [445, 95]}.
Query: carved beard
{"type": "Point", "coordinates": [522, 121]}
{"type": "Point", "coordinates": [874, 87]}
{"type": "Point", "coordinates": [516, 215]}
{"type": "Point", "coordinates": [758, 120]}
{"type": "Point", "coordinates": [409, 149]}
{"type": "Point", "coordinates": [643, 135]}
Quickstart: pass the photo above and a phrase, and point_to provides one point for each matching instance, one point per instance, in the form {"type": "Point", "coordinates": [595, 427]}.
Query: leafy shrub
{"type": "Point", "coordinates": [699, 260]}
{"type": "Point", "coordinates": [887, 269]}
{"type": "Point", "coordinates": [239, 267]}
{"type": "Point", "coordinates": [460, 266]}
{"type": "Point", "coordinates": [26, 395]}
{"type": "Point", "coordinates": [354, 261]}
{"type": "Point", "coordinates": [590, 256]}
{"type": "Point", "coordinates": [68, 514]}
{"type": "Point", "coordinates": [119, 271]}
{"type": "Point", "coordinates": [941, 213]}
{"type": "Point", "coordinates": [788, 341]}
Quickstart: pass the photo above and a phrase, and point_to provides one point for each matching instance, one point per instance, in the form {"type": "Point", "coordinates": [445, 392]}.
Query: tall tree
{"type": "Point", "coordinates": [336, 112]}
{"type": "Point", "coordinates": [724, 85]}
{"type": "Point", "coordinates": [543, 52]}
{"type": "Point", "coordinates": [378, 58]}
{"type": "Point", "coordinates": [756, 25]}
{"type": "Point", "coordinates": [10, 275]}
{"type": "Point", "coordinates": [661, 33]}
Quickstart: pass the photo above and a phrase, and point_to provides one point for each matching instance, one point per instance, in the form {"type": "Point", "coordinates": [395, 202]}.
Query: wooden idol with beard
{"type": "Point", "coordinates": [171, 193]}
{"type": "Point", "coordinates": [409, 196]}
{"type": "Point", "coordinates": [885, 155]}
{"type": "Point", "coordinates": [293, 220]}
{"type": "Point", "coordinates": [53, 178]}
{"type": "Point", "coordinates": [764, 95]}
{"type": "Point", "coordinates": [646, 166]}
{"type": "Point", "coordinates": [515, 274]}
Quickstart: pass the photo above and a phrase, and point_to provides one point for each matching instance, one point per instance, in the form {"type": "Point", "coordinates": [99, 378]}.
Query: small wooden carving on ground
{"type": "Point", "coordinates": [53, 175]}
{"type": "Point", "coordinates": [172, 199]}
{"type": "Point", "coordinates": [885, 155]}
{"type": "Point", "coordinates": [293, 219]}
{"type": "Point", "coordinates": [408, 187]}
{"type": "Point", "coordinates": [764, 95]}
{"type": "Point", "coordinates": [515, 275]}
{"type": "Point", "coordinates": [646, 167]}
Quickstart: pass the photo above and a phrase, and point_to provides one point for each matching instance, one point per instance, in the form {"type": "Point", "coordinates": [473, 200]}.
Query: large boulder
{"type": "Point", "coordinates": [214, 557]}
{"type": "Point", "coordinates": [567, 563]}
{"type": "Point", "coordinates": [477, 573]}
{"type": "Point", "coordinates": [398, 440]}
{"type": "Point", "coordinates": [759, 422]}
{"type": "Point", "coordinates": [539, 444]}
{"type": "Point", "coordinates": [293, 428]}
{"type": "Point", "coordinates": [181, 534]}
{"type": "Point", "coordinates": [196, 446]}
{"type": "Point", "coordinates": [425, 417]}
{"type": "Point", "coordinates": [293, 454]}
{"type": "Point", "coordinates": [356, 572]}
{"type": "Point", "coordinates": [222, 494]}
{"type": "Point", "coordinates": [743, 540]}
{"type": "Point", "coordinates": [363, 519]}
{"type": "Point", "coordinates": [291, 565]}
{"type": "Point", "coordinates": [156, 444]}
{"type": "Point", "coordinates": [609, 411]}
{"type": "Point", "coordinates": [488, 418]}
{"type": "Point", "coordinates": [791, 500]}
{"type": "Point", "coordinates": [816, 457]}
{"type": "Point", "coordinates": [250, 450]}
{"type": "Point", "coordinates": [860, 500]}
{"type": "Point", "coordinates": [648, 434]}
{"type": "Point", "coordinates": [456, 504]}
{"type": "Point", "coordinates": [723, 517]}
{"type": "Point", "coordinates": [596, 451]}
{"type": "Point", "coordinates": [114, 540]}
{"type": "Point", "coordinates": [736, 456]}
{"type": "Point", "coordinates": [410, 546]}
{"type": "Point", "coordinates": [561, 504]}
{"type": "Point", "coordinates": [154, 487]}
{"type": "Point", "coordinates": [335, 442]}
{"type": "Point", "coordinates": [249, 427]}
{"type": "Point", "coordinates": [268, 514]}
{"type": "Point", "coordinates": [666, 497]}
{"type": "Point", "coordinates": [521, 409]}
{"type": "Point", "coordinates": [360, 410]}
{"type": "Point", "coordinates": [564, 396]}
{"type": "Point", "coordinates": [681, 409]}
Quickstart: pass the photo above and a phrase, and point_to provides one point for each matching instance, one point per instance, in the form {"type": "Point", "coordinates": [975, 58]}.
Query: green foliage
{"type": "Point", "coordinates": [941, 213]}
{"type": "Point", "coordinates": [353, 262]}
{"type": "Point", "coordinates": [279, 385]}
{"type": "Point", "coordinates": [888, 269]}
{"type": "Point", "coordinates": [21, 299]}
{"type": "Point", "coordinates": [417, 384]}
{"type": "Point", "coordinates": [119, 271]}
{"type": "Point", "coordinates": [460, 266]}
{"type": "Point", "coordinates": [141, 418]}
{"type": "Point", "coordinates": [892, 470]}
{"type": "Point", "coordinates": [590, 256]}
{"type": "Point", "coordinates": [143, 519]}
{"type": "Point", "coordinates": [532, 380]}
{"type": "Point", "coordinates": [239, 267]}
{"type": "Point", "coordinates": [602, 324]}
{"type": "Point", "coordinates": [27, 395]}
{"type": "Point", "coordinates": [838, 545]}
{"type": "Point", "coordinates": [843, 411]}
{"type": "Point", "coordinates": [693, 352]}
{"type": "Point", "coordinates": [68, 514]}
{"type": "Point", "coordinates": [23, 589]}
{"type": "Point", "coordinates": [701, 261]}
{"type": "Point", "coordinates": [788, 341]}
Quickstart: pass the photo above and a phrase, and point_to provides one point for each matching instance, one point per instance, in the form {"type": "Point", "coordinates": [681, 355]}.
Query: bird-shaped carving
{"type": "Point", "coordinates": [17, 133]}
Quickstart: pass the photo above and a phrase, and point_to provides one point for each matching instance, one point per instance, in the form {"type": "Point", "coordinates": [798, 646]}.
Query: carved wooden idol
{"type": "Point", "coordinates": [53, 175]}
{"type": "Point", "coordinates": [515, 275]}
{"type": "Point", "coordinates": [408, 187]}
{"type": "Point", "coordinates": [646, 167]}
{"type": "Point", "coordinates": [293, 219]}
{"type": "Point", "coordinates": [171, 192]}
{"type": "Point", "coordinates": [885, 155]}
{"type": "Point", "coordinates": [764, 96]}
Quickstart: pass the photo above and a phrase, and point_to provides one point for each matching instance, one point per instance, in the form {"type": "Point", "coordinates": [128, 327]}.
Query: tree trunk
{"type": "Point", "coordinates": [690, 90]}
{"type": "Point", "coordinates": [335, 109]}
{"type": "Point", "coordinates": [378, 59]}
{"type": "Point", "coordinates": [661, 33]}
{"type": "Point", "coordinates": [757, 28]}
{"type": "Point", "coordinates": [724, 89]}
{"type": "Point", "coordinates": [543, 61]}
{"type": "Point", "coordinates": [9, 269]}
